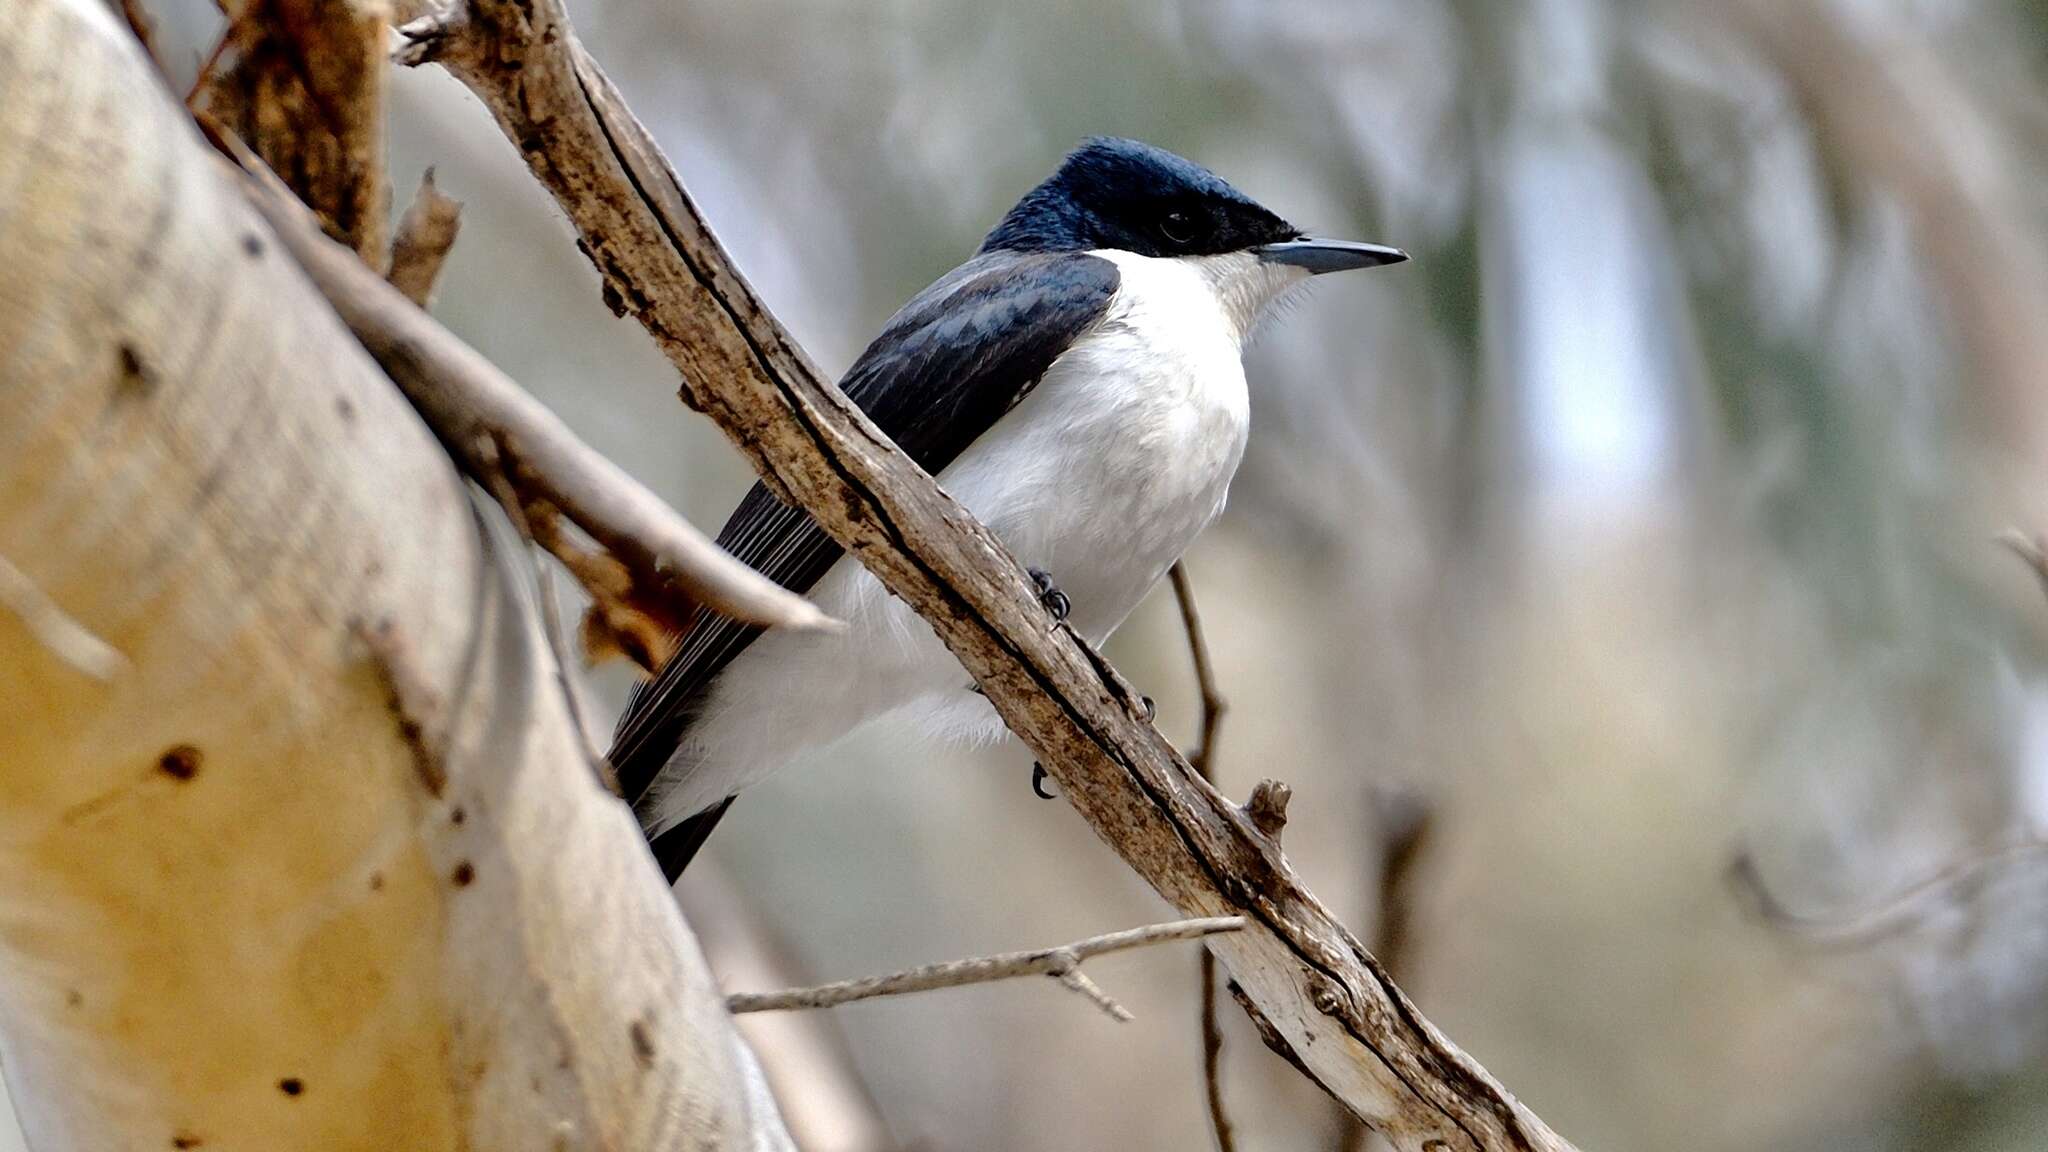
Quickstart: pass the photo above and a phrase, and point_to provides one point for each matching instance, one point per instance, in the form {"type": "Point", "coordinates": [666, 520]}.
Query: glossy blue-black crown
{"type": "Point", "coordinates": [1123, 194]}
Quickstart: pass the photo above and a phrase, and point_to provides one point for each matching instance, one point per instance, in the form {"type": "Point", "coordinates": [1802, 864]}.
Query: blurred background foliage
{"type": "Point", "coordinates": [1642, 526]}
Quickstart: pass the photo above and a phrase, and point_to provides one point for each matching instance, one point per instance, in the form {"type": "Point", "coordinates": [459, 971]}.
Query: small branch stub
{"type": "Point", "coordinates": [1267, 808]}
{"type": "Point", "coordinates": [425, 234]}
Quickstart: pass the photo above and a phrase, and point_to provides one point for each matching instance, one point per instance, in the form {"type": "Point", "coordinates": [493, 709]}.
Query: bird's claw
{"type": "Point", "coordinates": [1038, 778]}
{"type": "Point", "coordinates": [1049, 594]}
{"type": "Point", "coordinates": [1151, 708]}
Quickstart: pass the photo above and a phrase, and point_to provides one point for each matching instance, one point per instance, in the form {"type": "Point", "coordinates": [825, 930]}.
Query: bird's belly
{"type": "Point", "coordinates": [1107, 472]}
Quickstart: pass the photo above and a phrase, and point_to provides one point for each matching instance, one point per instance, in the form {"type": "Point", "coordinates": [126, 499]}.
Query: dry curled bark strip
{"type": "Point", "coordinates": [1322, 995]}
{"type": "Point", "coordinates": [469, 403]}
{"type": "Point", "coordinates": [303, 82]}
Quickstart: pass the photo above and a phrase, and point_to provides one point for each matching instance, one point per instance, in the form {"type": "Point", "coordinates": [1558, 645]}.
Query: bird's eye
{"type": "Point", "coordinates": [1177, 227]}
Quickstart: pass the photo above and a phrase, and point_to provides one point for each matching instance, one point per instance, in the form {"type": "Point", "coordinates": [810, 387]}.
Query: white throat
{"type": "Point", "coordinates": [1231, 293]}
{"type": "Point", "coordinates": [1246, 287]}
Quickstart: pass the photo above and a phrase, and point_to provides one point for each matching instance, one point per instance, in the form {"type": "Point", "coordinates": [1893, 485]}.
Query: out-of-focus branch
{"type": "Point", "coordinates": [1899, 912]}
{"type": "Point", "coordinates": [1201, 759]}
{"type": "Point", "coordinates": [1404, 821]}
{"type": "Point", "coordinates": [425, 234]}
{"type": "Point", "coordinates": [1908, 907]}
{"type": "Point", "coordinates": [491, 424]}
{"type": "Point", "coordinates": [1890, 109]}
{"type": "Point", "coordinates": [1213, 703]}
{"type": "Point", "coordinates": [1062, 963]}
{"type": "Point", "coordinates": [1316, 992]}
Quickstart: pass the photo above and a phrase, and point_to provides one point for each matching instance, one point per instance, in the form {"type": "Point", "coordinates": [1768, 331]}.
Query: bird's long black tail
{"type": "Point", "coordinates": [677, 846]}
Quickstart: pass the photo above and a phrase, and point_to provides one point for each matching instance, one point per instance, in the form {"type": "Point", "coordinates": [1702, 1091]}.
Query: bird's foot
{"type": "Point", "coordinates": [1049, 594]}
{"type": "Point", "coordinates": [1151, 708]}
{"type": "Point", "coordinates": [1038, 779]}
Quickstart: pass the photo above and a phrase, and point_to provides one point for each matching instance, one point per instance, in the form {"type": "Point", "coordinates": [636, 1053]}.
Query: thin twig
{"type": "Point", "coordinates": [1213, 703]}
{"type": "Point", "coordinates": [1212, 1059]}
{"type": "Point", "coordinates": [1405, 822]}
{"type": "Point", "coordinates": [203, 78]}
{"type": "Point", "coordinates": [425, 234]}
{"type": "Point", "coordinates": [1062, 963]}
{"type": "Point", "coordinates": [1200, 759]}
{"type": "Point", "coordinates": [468, 402]}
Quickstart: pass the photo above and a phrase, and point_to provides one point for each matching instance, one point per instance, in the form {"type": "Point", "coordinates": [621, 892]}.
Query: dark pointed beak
{"type": "Point", "coordinates": [1320, 256]}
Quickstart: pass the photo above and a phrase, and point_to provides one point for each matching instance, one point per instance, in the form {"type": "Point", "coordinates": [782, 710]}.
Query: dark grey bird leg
{"type": "Point", "coordinates": [1049, 594]}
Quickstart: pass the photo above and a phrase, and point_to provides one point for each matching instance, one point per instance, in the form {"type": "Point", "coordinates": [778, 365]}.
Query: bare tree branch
{"type": "Point", "coordinates": [1313, 987]}
{"type": "Point", "coordinates": [1062, 963]}
{"type": "Point", "coordinates": [425, 234]}
{"type": "Point", "coordinates": [469, 403]}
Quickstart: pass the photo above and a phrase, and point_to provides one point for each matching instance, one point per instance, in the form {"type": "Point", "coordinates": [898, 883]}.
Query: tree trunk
{"type": "Point", "coordinates": [298, 844]}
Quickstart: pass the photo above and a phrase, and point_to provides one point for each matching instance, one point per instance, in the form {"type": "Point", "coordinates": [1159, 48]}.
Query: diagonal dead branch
{"type": "Point", "coordinates": [425, 234]}
{"type": "Point", "coordinates": [468, 402]}
{"type": "Point", "coordinates": [1324, 997]}
{"type": "Point", "coordinates": [1062, 963]}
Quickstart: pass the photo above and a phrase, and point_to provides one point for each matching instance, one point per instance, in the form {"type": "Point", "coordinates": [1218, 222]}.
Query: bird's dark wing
{"type": "Point", "coordinates": [957, 357]}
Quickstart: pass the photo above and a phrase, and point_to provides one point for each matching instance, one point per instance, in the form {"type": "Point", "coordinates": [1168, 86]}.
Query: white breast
{"type": "Point", "coordinates": [1124, 452]}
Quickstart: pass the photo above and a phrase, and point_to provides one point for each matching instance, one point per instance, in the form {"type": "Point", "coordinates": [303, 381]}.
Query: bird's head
{"type": "Point", "coordinates": [1128, 196]}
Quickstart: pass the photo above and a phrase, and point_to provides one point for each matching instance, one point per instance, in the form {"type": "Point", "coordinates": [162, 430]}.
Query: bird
{"type": "Point", "coordinates": [1078, 385]}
